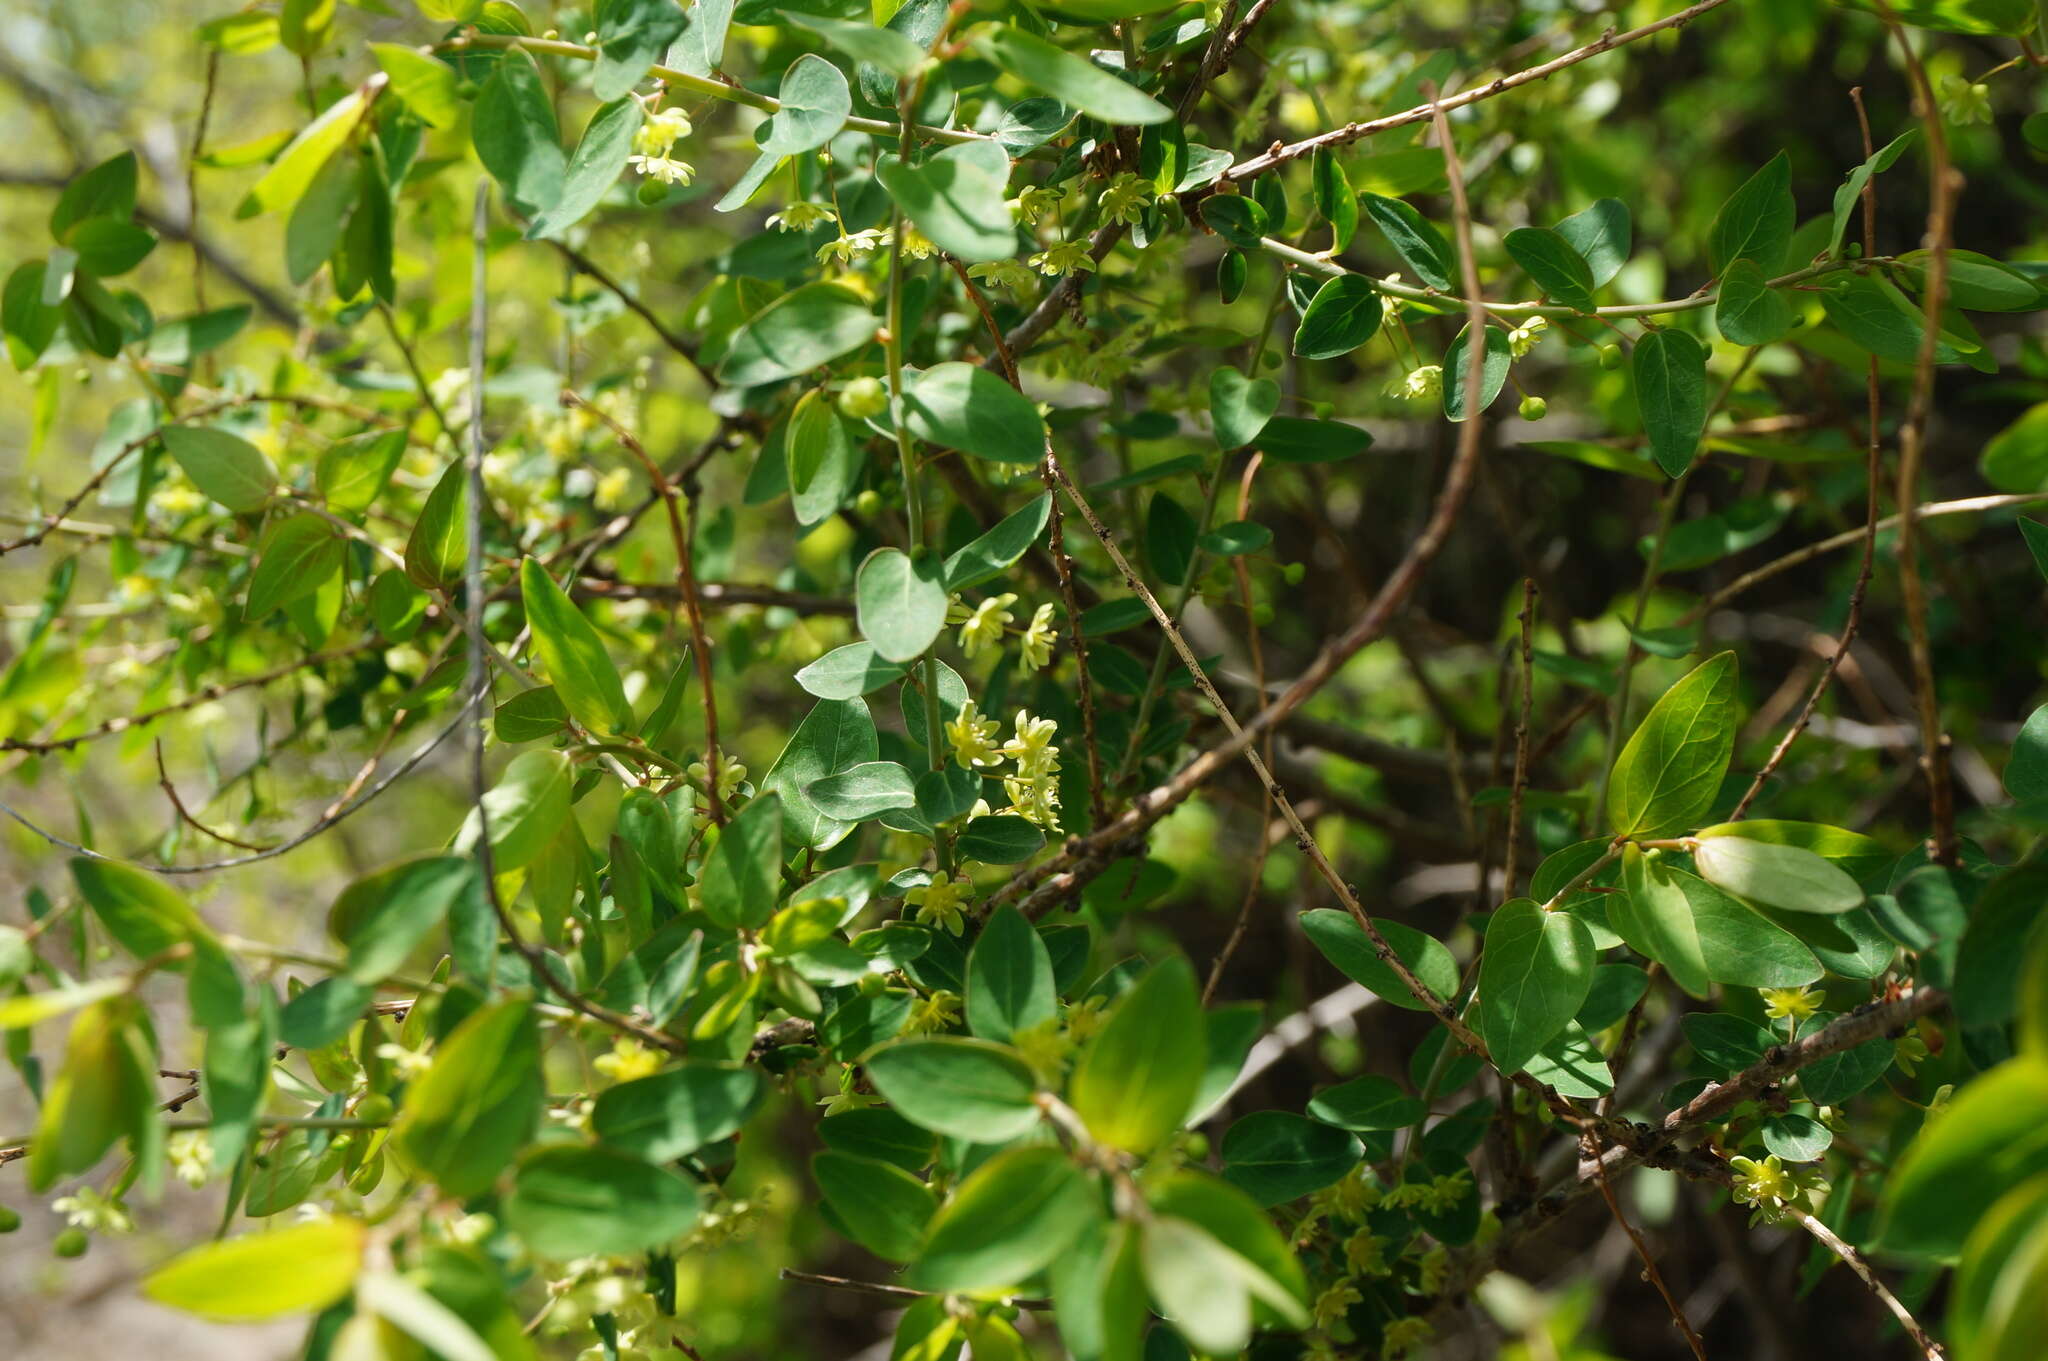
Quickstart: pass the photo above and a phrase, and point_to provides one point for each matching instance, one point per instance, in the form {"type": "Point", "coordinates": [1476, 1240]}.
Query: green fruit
{"type": "Point", "coordinates": [1262, 614]}
{"type": "Point", "coordinates": [10, 1219]}
{"type": "Point", "coordinates": [1610, 356]}
{"type": "Point", "coordinates": [868, 503]}
{"type": "Point", "coordinates": [376, 1108]}
{"type": "Point", "coordinates": [71, 1243]}
{"type": "Point", "coordinates": [863, 399]}
{"type": "Point", "coordinates": [1534, 408]}
{"type": "Point", "coordinates": [1293, 572]}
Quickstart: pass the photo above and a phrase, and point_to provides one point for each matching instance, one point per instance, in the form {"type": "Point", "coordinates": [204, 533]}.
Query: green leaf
{"type": "Point", "coordinates": [1345, 945]}
{"type": "Point", "coordinates": [882, 1207]}
{"type": "Point", "coordinates": [1000, 839]}
{"type": "Point", "coordinates": [226, 467]}
{"type": "Point", "coordinates": [796, 333]}
{"type": "Point", "coordinates": [1989, 1139]}
{"type": "Point", "coordinates": [430, 88]}
{"type": "Point", "coordinates": [1746, 311]}
{"type": "Point", "coordinates": [1554, 264]}
{"type": "Point", "coordinates": [1669, 774]}
{"type": "Point", "coordinates": [815, 102]}
{"type": "Point", "coordinates": [1239, 407]}
{"type": "Point", "coordinates": [957, 199]}
{"type": "Point", "coordinates": [105, 192]}
{"type": "Point", "coordinates": [1170, 534]}
{"type": "Point", "coordinates": [1366, 1103]}
{"type": "Point", "coordinates": [1343, 315]}
{"type": "Point", "coordinates": [29, 325]}
{"type": "Point", "coordinates": [1601, 234]}
{"type": "Point", "coordinates": [1874, 314]}
{"type": "Point", "coordinates": [296, 166]}
{"type": "Point", "coordinates": [438, 548]}
{"type": "Point", "coordinates": [1205, 1288]}
{"type": "Point", "coordinates": [823, 464]}
{"type": "Point", "coordinates": [1237, 219]}
{"type": "Point", "coordinates": [1493, 371]}
{"type": "Point", "coordinates": [1278, 1156]}
{"type": "Point", "coordinates": [901, 603]}
{"type": "Point", "coordinates": [1419, 244]}
{"type": "Point", "coordinates": [1655, 917]}
{"type": "Point", "coordinates": [400, 1305]}
{"type": "Point", "coordinates": [478, 1104]}
{"type": "Point", "coordinates": [988, 556]}
{"type": "Point", "coordinates": [106, 1089]}
{"type": "Point", "coordinates": [742, 876]}
{"type": "Point", "coordinates": [1266, 1265]}
{"type": "Point", "coordinates": [1013, 1215]}
{"type": "Point", "coordinates": [1009, 978]}
{"type": "Point", "coordinates": [864, 791]}
{"type": "Point", "coordinates": [1573, 1065]}
{"type": "Point", "coordinates": [885, 48]}
{"type": "Point", "coordinates": [969, 1089]}
{"type": "Point", "coordinates": [1138, 1076]}
{"type": "Point", "coordinates": [1779, 876]}
{"type": "Point", "coordinates": [1073, 80]}
{"type": "Point", "coordinates": [837, 733]}
{"type": "Point", "coordinates": [1848, 198]}
{"type": "Point", "coordinates": [1297, 439]}
{"type": "Point", "coordinates": [384, 916]}
{"type": "Point", "coordinates": [108, 247]}
{"type": "Point", "coordinates": [297, 556]}
{"type": "Point", "coordinates": [1670, 370]}
{"type": "Point", "coordinates": [568, 1202]}
{"type": "Point", "coordinates": [525, 808]}
{"type": "Point", "coordinates": [848, 672]}
{"type": "Point", "coordinates": [353, 471]}
{"type": "Point", "coordinates": [1726, 1043]}
{"type": "Point", "coordinates": [1335, 199]}
{"type": "Point", "coordinates": [1795, 1136]}
{"type": "Point", "coordinates": [513, 129]}
{"type": "Point", "coordinates": [1757, 220]}
{"type": "Point", "coordinates": [1533, 976]}
{"type": "Point", "coordinates": [299, 1269]}
{"type": "Point", "coordinates": [2026, 774]}
{"type": "Point", "coordinates": [965, 407]}
{"type": "Point", "coordinates": [632, 35]}
{"type": "Point", "coordinates": [573, 654]}
{"type": "Point", "coordinates": [593, 169]}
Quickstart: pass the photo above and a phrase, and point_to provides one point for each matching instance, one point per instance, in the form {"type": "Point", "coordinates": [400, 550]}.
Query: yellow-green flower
{"type": "Point", "coordinates": [929, 1015]}
{"type": "Point", "coordinates": [983, 626]}
{"type": "Point", "coordinates": [1035, 201]}
{"type": "Point", "coordinates": [1064, 258]}
{"type": "Point", "coordinates": [1000, 274]}
{"type": "Point", "coordinates": [801, 217]}
{"type": "Point", "coordinates": [628, 1059]}
{"type": "Point", "coordinates": [1421, 384]}
{"type": "Point", "coordinates": [1125, 200]}
{"type": "Point", "coordinates": [940, 903]}
{"type": "Point", "coordinates": [1036, 645]}
{"type": "Point", "coordinates": [972, 738]}
{"type": "Point", "coordinates": [1790, 1004]}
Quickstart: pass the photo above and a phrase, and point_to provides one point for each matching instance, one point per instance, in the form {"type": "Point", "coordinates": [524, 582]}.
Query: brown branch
{"type": "Point", "coordinates": [1942, 182]}
{"type": "Point", "coordinates": [1872, 465]}
{"type": "Point", "coordinates": [1655, 1277]}
{"type": "Point", "coordinates": [682, 538]}
{"type": "Point", "coordinates": [1423, 113]}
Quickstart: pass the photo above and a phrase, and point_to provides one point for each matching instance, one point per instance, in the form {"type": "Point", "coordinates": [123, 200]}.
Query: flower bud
{"type": "Point", "coordinates": [70, 1243]}
{"type": "Point", "coordinates": [1534, 408]}
{"type": "Point", "coordinates": [863, 399]}
{"type": "Point", "coordinates": [1610, 356]}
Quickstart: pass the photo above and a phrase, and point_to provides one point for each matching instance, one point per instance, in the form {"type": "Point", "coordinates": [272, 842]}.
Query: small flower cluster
{"type": "Point", "coordinates": [653, 143]}
{"type": "Point", "coordinates": [1421, 384]}
{"type": "Point", "coordinates": [982, 627]}
{"type": "Point", "coordinates": [1776, 1191]}
{"type": "Point", "coordinates": [1034, 786]}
